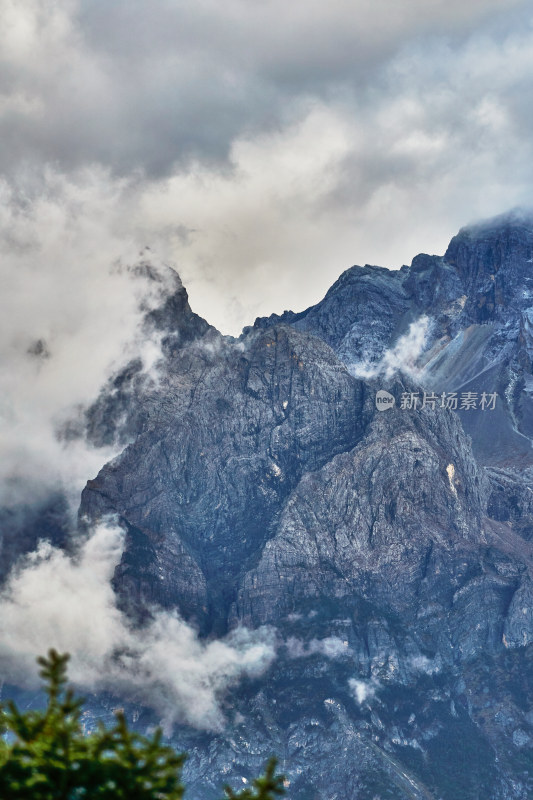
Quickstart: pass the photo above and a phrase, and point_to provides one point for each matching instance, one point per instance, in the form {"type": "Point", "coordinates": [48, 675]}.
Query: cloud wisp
{"type": "Point", "coordinates": [402, 357]}
{"type": "Point", "coordinates": [331, 647]}
{"type": "Point", "coordinates": [363, 691]}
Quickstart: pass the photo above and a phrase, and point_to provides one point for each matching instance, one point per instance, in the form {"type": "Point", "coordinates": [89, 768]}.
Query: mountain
{"type": "Point", "coordinates": [391, 551]}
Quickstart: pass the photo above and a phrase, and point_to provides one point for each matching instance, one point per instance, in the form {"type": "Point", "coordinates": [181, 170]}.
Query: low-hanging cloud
{"type": "Point", "coordinates": [55, 600]}
{"type": "Point", "coordinates": [363, 691]}
{"type": "Point", "coordinates": [331, 647]}
{"type": "Point", "coordinates": [402, 357]}
{"type": "Point", "coordinates": [73, 306]}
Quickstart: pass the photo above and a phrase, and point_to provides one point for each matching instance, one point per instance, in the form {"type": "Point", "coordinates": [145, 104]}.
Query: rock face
{"type": "Point", "coordinates": [391, 550]}
{"type": "Point", "coordinates": [384, 519]}
{"type": "Point", "coordinates": [201, 493]}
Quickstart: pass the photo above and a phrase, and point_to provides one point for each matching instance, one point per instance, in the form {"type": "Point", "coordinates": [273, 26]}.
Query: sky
{"type": "Point", "coordinates": [259, 148]}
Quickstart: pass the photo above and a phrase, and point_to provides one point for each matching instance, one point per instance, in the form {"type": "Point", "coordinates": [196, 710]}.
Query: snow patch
{"type": "Point", "coordinates": [450, 471]}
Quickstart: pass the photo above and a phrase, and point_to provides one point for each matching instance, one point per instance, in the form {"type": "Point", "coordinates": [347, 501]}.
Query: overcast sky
{"type": "Point", "coordinates": [263, 146]}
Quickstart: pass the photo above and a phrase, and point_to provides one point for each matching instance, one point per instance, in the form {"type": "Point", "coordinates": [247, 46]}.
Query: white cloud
{"type": "Point", "coordinates": [87, 81]}
{"type": "Point", "coordinates": [54, 600]}
{"type": "Point", "coordinates": [363, 691]}
{"type": "Point", "coordinates": [330, 647]}
{"type": "Point", "coordinates": [374, 175]}
{"type": "Point", "coordinates": [423, 664]}
{"type": "Point", "coordinates": [263, 157]}
{"type": "Point", "coordinates": [402, 357]}
{"type": "Point", "coordinates": [66, 284]}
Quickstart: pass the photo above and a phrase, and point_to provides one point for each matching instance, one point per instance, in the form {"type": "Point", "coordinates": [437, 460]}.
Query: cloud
{"type": "Point", "coordinates": [56, 600]}
{"type": "Point", "coordinates": [72, 308]}
{"type": "Point", "coordinates": [263, 149]}
{"type": "Point", "coordinates": [423, 664]}
{"type": "Point", "coordinates": [362, 691]}
{"type": "Point", "coordinates": [330, 647]}
{"type": "Point", "coordinates": [374, 173]}
{"type": "Point", "coordinates": [402, 357]}
{"type": "Point", "coordinates": [133, 87]}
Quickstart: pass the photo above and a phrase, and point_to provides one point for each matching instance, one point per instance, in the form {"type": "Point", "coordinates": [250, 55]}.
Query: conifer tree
{"type": "Point", "coordinates": [45, 754]}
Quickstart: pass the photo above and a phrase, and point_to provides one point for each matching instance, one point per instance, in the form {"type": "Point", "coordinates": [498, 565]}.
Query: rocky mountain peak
{"type": "Point", "coordinates": [392, 550]}
{"type": "Point", "coordinates": [494, 259]}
